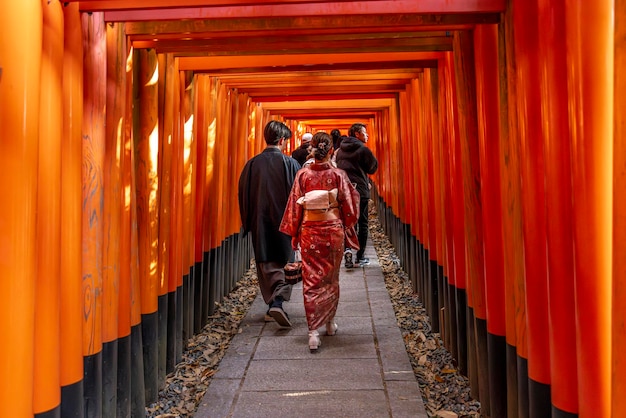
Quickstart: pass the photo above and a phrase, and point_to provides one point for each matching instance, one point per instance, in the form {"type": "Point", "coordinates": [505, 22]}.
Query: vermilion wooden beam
{"type": "Point", "coordinates": [309, 44]}
{"type": "Point", "coordinates": [338, 96]}
{"type": "Point", "coordinates": [353, 68]}
{"type": "Point", "coordinates": [278, 61]}
{"type": "Point", "coordinates": [381, 22]}
{"type": "Point", "coordinates": [124, 10]}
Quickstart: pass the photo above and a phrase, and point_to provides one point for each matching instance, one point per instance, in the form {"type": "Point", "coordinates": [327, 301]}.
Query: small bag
{"type": "Point", "coordinates": [293, 270]}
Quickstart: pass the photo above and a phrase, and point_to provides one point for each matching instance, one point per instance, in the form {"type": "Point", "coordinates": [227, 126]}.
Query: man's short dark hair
{"type": "Point", "coordinates": [357, 127]}
{"type": "Point", "coordinates": [274, 131]}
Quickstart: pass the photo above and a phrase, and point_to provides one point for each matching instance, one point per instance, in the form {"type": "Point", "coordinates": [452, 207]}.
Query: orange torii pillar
{"type": "Point", "coordinates": [94, 93]}
{"type": "Point", "coordinates": [618, 384]}
{"type": "Point", "coordinates": [202, 83]}
{"type": "Point", "coordinates": [47, 310]}
{"type": "Point", "coordinates": [590, 53]}
{"type": "Point", "coordinates": [145, 137]}
{"type": "Point", "coordinates": [457, 219]}
{"type": "Point", "coordinates": [468, 126]}
{"type": "Point", "coordinates": [557, 153]}
{"type": "Point", "coordinates": [113, 209]}
{"type": "Point", "coordinates": [169, 251]}
{"type": "Point", "coordinates": [71, 333]}
{"type": "Point", "coordinates": [512, 241]}
{"type": "Point", "coordinates": [487, 86]}
{"type": "Point", "coordinates": [20, 62]}
{"type": "Point", "coordinates": [532, 169]}
{"type": "Point", "coordinates": [175, 280]}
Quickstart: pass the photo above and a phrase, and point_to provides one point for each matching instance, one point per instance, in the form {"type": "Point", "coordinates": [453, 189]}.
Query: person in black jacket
{"type": "Point", "coordinates": [300, 153]}
{"type": "Point", "coordinates": [358, 162]}
{"type": "Point", "coordinates": [264, 186]}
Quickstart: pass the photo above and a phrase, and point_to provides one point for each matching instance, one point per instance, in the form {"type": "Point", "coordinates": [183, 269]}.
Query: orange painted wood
{"type": "Point", "coordinates": [47, 393]}
{"type": "Point", "coordinates": [128, 253]}
{"type": "Point", "coordinates": [557, 151]}
{"type": "Point", "coordinates": [238, 161]}
{"type": "Point", "coordinates": [188, 142]}
{"type": "Point", "coordinates": [71, 333]}
{"type": "Point", "coordinates": [618, 372]}
{"type": "Point", "coordinates": [200, 130]}
{"type": "Point", "coordinates": [210, 238]}
{"type": "Point", "coordinates": [488, 112]}
{"type": "Point", "coordinates": [146, 153]}
{"type": "Point", "coordinates": [590, 71]}
{"type": "Point", "coordinates": [113, 186]}
{"type": "Point", "coordinates": [168, 78]}
{"type": "Point", "coordinates": [515, 306]}
{"type": "Point", "coordinates": [175, 250]}
{"type": "Point", "coordinates": [532, 169]}
{"type": "Point", "coordinates": [470, 160]}
{"type": "Point", "coordinates": [195, 63]}
{"type": "Point", "coordinates": [446, 197]}
{"type": "Point", "coordinates": [93, 134]}
{"type": "Point", "coordinates": [130, 187]}
{"type": "Point", "coordinates": [455, 175]}
{"type": "Point", "coordinates": [19, 118]}
{"type": "Point", "coordinates": [432, 137]}
{"type": "Point", "coordinates": [430, 6]}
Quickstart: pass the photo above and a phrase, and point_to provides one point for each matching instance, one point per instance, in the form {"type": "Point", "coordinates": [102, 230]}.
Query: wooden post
{"type": "Point", "coordinates": [71, 333]}
{"type": "Point", "coordinates": [20, 64]}
{"type": "Point", "coordinates": [94, 45]}
{"type": "Point", "coordinates": [47, 310]}
{"type": "Point", "coordinates": [557, 151]}
{"type": "Point", "coordinates": [618, 405]}
{"type": "Point", "coordinates": [589, 41]}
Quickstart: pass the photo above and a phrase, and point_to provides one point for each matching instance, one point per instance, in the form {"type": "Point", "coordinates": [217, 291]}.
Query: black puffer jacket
{"type": "Point", "coordinates": [358, 161]}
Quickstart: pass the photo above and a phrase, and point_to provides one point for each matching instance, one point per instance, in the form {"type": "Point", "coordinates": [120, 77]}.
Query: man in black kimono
{"type": "Point", "coordinates": [264, 186]}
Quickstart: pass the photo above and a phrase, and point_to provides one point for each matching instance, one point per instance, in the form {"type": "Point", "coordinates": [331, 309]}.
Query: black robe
{"type": "Point", "coordinates": [264, 186]}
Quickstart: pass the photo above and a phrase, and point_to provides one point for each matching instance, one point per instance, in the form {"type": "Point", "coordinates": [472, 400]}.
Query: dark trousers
{"type": "Point", "coordinates": [362, 227]}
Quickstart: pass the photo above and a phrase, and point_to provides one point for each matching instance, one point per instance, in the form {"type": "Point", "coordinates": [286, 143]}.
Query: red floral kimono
{"type": "Point", "coordinates": [321, 242]}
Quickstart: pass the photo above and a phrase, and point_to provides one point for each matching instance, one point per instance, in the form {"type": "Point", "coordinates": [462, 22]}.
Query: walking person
{"type": "Point", "coordinates": [322, 203]}
{"type": "Point", "coordinates": [264, 186]}
{"type": "Point", "coordinates": [358, 162]}
{"type": "Point", "coordinates": [301, 153]}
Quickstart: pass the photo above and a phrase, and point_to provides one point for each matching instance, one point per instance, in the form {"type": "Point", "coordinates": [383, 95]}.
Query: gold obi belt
{"type": "Point", "coordinates": [313, 215]}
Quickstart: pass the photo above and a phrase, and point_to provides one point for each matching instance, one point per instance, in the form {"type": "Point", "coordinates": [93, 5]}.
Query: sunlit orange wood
{"type": "Point", "coordinates": [93, 133]}
{"type": "Point", "coordinates": [200, 131]}
{"type": "Point", "coordinates": [47, 394]}
{"type": "Point", "coordinates": [71, 360]}
{"type": "Point", "coordinates": [590, 50]}
{"type": "Point", "coordinates": [113, 186]}
{"type": "Point", "coordinates": [618, 388]}
{"type": "Point", "coordinates": [128, 254]}
{"type": "Point", "coordinates": [188, 164]}
{"type": "Point", "coordinates": [146, 153]}
{"type": "Point", "coordinates": [167, 79]}
{"type": "Point", "coordinates": [19, 118]}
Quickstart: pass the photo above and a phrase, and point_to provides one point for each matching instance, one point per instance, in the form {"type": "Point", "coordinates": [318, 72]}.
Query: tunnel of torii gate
{"type": "Point", "coordinates": [124, 125]}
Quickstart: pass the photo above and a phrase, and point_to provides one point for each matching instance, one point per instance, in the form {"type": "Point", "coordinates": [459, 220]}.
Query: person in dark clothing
{"type": "Point", "coordinates": [336, 135]}
{"type": "Point", "coordinates": [358, 162]}
{"type": "Point", "coordinates": [300, 154]}
{"type": "Point", "coordinates": [264, 186]}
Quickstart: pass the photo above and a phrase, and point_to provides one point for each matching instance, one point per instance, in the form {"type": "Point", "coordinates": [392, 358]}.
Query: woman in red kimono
{"type": "Point", "coordinates": [321, 205]}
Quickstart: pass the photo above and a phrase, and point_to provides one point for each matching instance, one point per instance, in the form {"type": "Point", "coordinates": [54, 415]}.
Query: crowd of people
{"type": "Point", "coordinates": [314, 202]}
